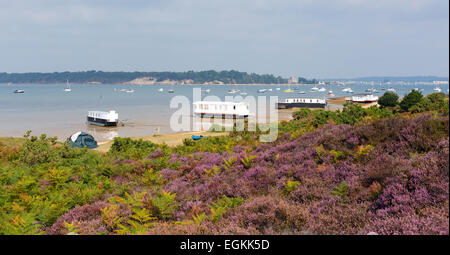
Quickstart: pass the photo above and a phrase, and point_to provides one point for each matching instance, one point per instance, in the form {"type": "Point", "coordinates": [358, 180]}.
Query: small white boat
{"type": "Point", "coordinates": [129, 90]}
{"type": "Point", "coordinates": [437, 89]}
{"type": "Point", "coordinates": [171, 91]}
{"type": "Point", "coordinates": [19, 91]}
{"type": "Point", "coordinates": [244, 93]}
{"type": "Point", "coordinates": [322, 89]}
{"type": "Point", "coordinates": [233, 91]}
{"type": "Point", "coordinates": [67, 89]}
{"type": "Point", "coordinates": [269, 90]}
{"type": "Point", "coordinates": [122, 90]}
{"type": "Point", "coordinates": [347, 90]}
{"type": "Point", "coordinates": [313, 89]}
{"type": "Point", "coordinates": [206, 90]}
{"type": "Point", "coordinates": [302, 92]}
{"type": "Point", "coordinates": [330, 94]}
{"type": "Point", "coordinates": [161, 90]}
{"type": "Point", "coordinates": [278, 89]}
{"type": "Point", "coordinates": [262, 90]}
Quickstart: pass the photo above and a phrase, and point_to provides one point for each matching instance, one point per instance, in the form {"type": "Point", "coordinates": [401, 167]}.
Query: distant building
{"type": "Point", "coordinates": [292, 80]}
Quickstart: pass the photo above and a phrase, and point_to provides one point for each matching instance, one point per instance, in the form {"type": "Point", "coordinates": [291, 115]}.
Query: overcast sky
{"type": "Point", "coordinates": [309, 38]}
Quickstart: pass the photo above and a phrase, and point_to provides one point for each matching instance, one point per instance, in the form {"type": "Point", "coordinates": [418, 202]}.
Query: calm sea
{"type": "Point", "coordinates": [48, 109]}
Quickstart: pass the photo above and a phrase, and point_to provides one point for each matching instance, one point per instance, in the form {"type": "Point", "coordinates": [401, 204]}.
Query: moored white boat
{"type": "Point", "coordinates": [313, 89]}
{"type": "Point", "coordinates": [364, 98]}
{"type": "Point", "coordinates": [347, 90]}
{"type": "Point", "coordinates": [67, 89]}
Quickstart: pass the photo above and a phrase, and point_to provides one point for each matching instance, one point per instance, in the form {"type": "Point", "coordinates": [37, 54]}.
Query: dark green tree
{"type": "Point", "coordinates": [411, 99]}
{"type": "Point", "coordinates": [389, 99]}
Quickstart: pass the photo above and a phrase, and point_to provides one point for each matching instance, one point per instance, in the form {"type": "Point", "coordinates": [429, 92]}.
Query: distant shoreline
{"type": "Point", "coordinates": [164, 84]}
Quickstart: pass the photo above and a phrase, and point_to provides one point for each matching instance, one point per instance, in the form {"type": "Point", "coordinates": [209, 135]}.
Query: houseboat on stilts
{"type": "Point", "coordinates": [302, 103]}
{"type": "Point", "coordinates": [219, 109]}
{"type": "Point", "coordinates": [105, 119]}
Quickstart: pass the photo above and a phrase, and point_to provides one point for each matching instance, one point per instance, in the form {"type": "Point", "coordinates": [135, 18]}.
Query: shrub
{"type": "Point", "coordinates": [389, 99]}
{"type": "Point", "coordinates": [411, 99]}
{"type": "Point", "coordinates": [301, 114]}
{"type": "Point", "coordinates": [131, 149]}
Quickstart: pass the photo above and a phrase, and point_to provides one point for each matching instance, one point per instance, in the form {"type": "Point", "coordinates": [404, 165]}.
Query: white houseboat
{"type": "Point", "coordinates": [106, 119]}
{"type": "Point", "coordinates": [364, 98]}
{"type": "Point", "coordinates": [221, 109]}
{"type": "Point", "coordinates": [302, 103]}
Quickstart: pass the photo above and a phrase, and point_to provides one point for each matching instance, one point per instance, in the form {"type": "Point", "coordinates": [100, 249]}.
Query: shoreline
{"type": "Point", "coordinates": [174, 139]}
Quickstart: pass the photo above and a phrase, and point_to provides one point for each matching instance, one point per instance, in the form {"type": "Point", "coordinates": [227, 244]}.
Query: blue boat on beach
{"type": "Point", "coordinates": [197, 137]}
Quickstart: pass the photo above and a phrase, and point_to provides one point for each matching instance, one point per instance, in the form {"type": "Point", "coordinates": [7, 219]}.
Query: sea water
{"type": "Point", "coordinates": [47, 108]}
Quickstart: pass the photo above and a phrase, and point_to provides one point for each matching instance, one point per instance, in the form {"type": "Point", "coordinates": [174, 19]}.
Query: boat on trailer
{"type": "Point", "coordinates": [105, 119]}
{"type": "Point", "coordinates": [221, 109]}
{"type": "Point", "coordinates": [302, 103]}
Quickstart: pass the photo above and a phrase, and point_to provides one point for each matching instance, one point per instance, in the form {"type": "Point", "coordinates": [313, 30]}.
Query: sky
{"type": "Point", "coordinates": [307, 38]}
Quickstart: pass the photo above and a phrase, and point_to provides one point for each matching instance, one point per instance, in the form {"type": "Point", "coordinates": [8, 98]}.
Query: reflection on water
{"type": "Point", "coordinates": [103, 133]}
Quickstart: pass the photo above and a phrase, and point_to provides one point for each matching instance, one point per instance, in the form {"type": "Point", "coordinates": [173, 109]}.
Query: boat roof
{"type": "Point", "coordinates": [219, 102]}
{"type": "Point", "coordinates": [307, 98]}
{"type": "Point", "coordinates": [112, 111]}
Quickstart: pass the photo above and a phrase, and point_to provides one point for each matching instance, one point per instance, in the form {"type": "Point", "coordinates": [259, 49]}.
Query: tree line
{"type": "Point", "coordinates": [228, 77]}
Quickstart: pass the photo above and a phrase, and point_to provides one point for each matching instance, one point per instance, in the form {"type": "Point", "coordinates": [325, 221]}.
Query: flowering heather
{"type": "Point", "coordinates": [384, 175]}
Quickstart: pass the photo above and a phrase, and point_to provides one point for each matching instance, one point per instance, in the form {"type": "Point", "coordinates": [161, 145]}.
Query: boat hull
{"type": "Point", "coordinates": [299, 105]}
{"type": "Point", "coordinates": [101, 122]}
{"type": "Point", "coordinates": [364, 101]}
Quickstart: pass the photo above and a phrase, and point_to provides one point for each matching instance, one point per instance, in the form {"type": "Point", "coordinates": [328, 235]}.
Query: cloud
{"type": "Point", "coordinates": [314, 38]}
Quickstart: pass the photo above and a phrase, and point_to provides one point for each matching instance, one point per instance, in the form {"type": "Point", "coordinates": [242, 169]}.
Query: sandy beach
{"type": "Point", "coordinates": [342, 101]}
{"type": "Point", "coordinates": [169, 139]}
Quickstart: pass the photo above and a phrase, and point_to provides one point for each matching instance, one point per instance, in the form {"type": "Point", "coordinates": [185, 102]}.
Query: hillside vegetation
{"type": "Point", "coordinates": [354, 171]}
{"type": "Point", "coordinates": [227, 77]}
